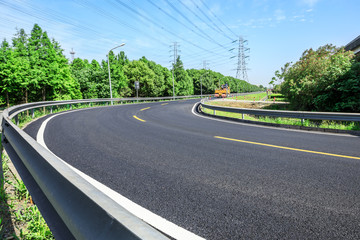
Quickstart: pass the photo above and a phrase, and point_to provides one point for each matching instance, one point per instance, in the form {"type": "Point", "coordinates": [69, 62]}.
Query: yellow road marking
{"type": "Point", "coordinates": [144, 109]}
{"type": "Point", "coordinates": [164, 104]}
{"type": "Point", "coordinates": [139, 118]}
{"type": "Point", "coordinates": [287, 148]}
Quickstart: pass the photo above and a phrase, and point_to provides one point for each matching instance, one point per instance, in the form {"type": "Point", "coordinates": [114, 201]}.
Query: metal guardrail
{"type": "Point", "coordinates": [72, 207]}
{"type": "Point", "coordinates": [287, 114]}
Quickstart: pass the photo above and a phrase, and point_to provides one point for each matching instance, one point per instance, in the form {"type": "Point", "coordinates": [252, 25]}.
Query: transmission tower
{"type": "Point", "coordinates": [72, 55]}
{"type": "Point", "coordinates": [175, 50]}
{"type": "Point", "coordinates": [241, 71]}
{"type": "Point", "coordinates": [205, 64]}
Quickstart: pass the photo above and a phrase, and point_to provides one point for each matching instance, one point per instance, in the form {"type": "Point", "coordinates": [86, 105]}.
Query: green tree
{"type": "Point", "coordinates": [316, 81]}
{"type": "Point", "coordinates": [119, 82]}
{"type": "Point", "coordinates": [50, 72]}
{"type": "Point", "coordinates": [183, 83]}
{"type": "Point", "coordinates": [82, 73]}
{"type": "Point", "coordinates": [6, 86]}
{"type": "Point", "coordinates": [21, 67]}
{"type": "Point", "coordinates": [139, 71]}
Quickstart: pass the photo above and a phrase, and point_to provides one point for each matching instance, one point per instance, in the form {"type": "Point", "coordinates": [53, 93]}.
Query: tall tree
{"type": "Point", "coordinates": [21, 65]}
{"type": "Point", "coordinates": [6, 85]}
{"type": "Point", "coordinates": [316, 81]}
{"type": "Point", "coordinates": [139, 71]}
{"type": "Point", "coordinates": [183, 83]}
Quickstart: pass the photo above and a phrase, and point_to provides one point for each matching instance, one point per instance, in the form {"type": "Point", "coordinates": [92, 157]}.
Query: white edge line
{"type": "Point", "coordinates": [147, 216]}
{"type": "Point", "coordinates": [274, 128]}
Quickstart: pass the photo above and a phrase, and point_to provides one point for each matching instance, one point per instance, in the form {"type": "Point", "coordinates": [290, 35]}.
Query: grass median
{"type": "Point", "coordinates": [338, 125]}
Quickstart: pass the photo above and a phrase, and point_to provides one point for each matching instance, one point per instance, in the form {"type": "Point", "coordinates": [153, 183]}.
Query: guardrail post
{"type": "Point", "coordinates": [17, 120]}
{"type": "Point", "coordinates": [51, 109]}
{"type": "Point", "coordinates": [302, 122]}
{"type": "Point", "coordinates": [242, 116]}
{"type": "Point", "coordinates": [214, 112]}
{"type": "Point", "coordinates": [70, 106]}
{"type": "Point", "coordinates": [32, 113]}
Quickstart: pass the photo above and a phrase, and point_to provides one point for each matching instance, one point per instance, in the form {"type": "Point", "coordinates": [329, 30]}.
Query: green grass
{"type": "Point", "coordinates": [340, 125]}
{"type": "Point", "coordinates": [17, 205]}
{"type": "Point", "coordinates": [278, 97]}
{"type": "Point", "coordinates": [250, 97]}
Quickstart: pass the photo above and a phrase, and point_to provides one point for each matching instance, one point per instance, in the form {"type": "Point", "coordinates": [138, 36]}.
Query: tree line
{"type": "Point", "coordinates": [34, 68]}
{"type": "Point", "coordinates": [326, 79]}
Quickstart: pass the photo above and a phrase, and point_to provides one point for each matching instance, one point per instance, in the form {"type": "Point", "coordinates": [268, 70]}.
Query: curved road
{"type": "Point", "coordinates": [251, 183]}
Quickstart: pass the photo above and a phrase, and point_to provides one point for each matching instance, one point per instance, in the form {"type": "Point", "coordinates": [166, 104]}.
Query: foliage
{"type": "Point", "coordinates": [209, 80]}
{"type": "Point", "coordinates": [36, 225]}
{"type": "Point", "coordinates": [183, 83]}
{"type": "Point", "coordinates": [33, 68]}
{"type": "Point", "coordinates": [327, 79]}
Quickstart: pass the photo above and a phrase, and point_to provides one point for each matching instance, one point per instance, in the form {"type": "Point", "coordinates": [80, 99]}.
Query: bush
{"type": "Point", "coordinates": [327, 79]}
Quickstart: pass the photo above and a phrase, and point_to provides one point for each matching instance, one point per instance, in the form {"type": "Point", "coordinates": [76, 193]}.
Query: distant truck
{"type": "Point", "coordinates": [223, 92]}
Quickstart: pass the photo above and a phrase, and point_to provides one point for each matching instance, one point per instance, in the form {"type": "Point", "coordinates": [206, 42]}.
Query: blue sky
{"type": "Point", "coordinates": [277, 31]}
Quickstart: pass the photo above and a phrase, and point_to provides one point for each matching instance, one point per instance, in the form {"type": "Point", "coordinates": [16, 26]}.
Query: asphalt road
{"type": "Point", "coordinates": [173, 165]}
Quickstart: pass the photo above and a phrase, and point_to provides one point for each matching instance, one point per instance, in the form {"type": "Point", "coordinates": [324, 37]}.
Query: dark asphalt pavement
{"type": "Point", "coordinates": [172, 165]}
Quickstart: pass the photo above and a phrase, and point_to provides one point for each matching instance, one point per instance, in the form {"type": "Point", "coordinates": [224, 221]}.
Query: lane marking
{"type": "Point", "coordinates": [158, 222]}
{"type": "Point", "coordinates": [144, 109]}
{"type": "Point", "coordinates": [164, 104]}
{"type": "Point", "coordinates": [139, 118]}
{"type": "Point", "coordinates": [287, 148]}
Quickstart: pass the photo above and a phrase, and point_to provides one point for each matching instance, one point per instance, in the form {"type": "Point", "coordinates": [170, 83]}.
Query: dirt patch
{"type": "Point", "coordinates": [238, 104]}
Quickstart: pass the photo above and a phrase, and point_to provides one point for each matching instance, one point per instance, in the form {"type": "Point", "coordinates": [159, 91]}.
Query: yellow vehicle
{"type": "Point", "coordinates": [223, 92]}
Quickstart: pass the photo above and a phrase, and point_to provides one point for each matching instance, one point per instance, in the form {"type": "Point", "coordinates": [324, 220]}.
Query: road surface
{"type": "Point", "coordinates": [217, 179]}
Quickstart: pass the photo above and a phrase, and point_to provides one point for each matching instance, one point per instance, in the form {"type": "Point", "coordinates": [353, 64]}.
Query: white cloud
{"type": "Point", "coordinates": [310, 3]}
{"type": "Point", "coordinates": [279, 15]}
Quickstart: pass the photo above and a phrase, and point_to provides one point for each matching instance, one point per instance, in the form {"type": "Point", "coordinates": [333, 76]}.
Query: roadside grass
{"type": "Point", "coordinates": [19, 217]}
{"type": "Point", "coordinates": [251, 97]}
{"type": "Point", "coordinates": [277, 97]}
{"type": "Point", "coordinates": [339, 125]}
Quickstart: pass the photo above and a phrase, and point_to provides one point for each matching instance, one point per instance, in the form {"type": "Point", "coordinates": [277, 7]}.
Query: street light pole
{"type": "Point", "coordinates": [173, 84]}
{"type": "Point", "coordinates": [109, 70]}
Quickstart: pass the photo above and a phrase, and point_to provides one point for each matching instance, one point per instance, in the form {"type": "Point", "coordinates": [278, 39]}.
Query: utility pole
{"type": "Point", "coordinates": [241, 71]}
{"type": "Point", "coordinates": [175, 55]}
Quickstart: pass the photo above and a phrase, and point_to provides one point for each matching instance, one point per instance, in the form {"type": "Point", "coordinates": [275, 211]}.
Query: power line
{"type": "Point", "coordinates": [196, 15]}
{"type": "Point", "coordinates": [188, 20]}
{"type": "Point", "coordinates": [156, 24]}
{"type": "Point", "coordinates": [217, 17]}
{"type": "Point", "coordinates": [211, 20]}
{"type": "Point", "coordinates": [175, 19]}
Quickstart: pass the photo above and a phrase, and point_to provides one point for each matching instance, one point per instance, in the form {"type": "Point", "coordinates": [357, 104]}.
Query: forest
{"type": "Point", "coordinates": [34, 68]}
